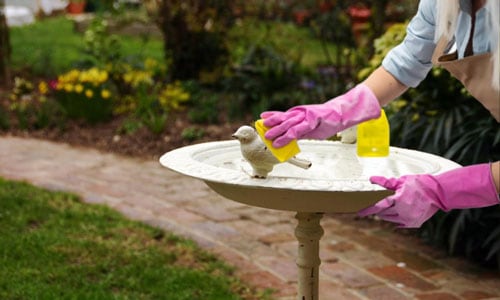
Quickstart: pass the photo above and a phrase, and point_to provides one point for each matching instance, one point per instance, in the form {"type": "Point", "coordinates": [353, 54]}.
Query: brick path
{"type": "Point", "coordinates": [359, 261]}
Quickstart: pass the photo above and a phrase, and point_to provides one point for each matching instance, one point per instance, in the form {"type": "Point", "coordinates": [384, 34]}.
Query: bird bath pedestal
{"type": "Point", "coordinates": [338, 181]}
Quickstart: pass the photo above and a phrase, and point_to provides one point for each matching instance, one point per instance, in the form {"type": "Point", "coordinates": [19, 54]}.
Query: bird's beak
{"type": "Point", "coordinates": [234, 136]}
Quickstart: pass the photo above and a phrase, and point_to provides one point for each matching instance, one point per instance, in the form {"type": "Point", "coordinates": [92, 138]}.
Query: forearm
{"type": "Point", "coordinates": [495, 172]}
{"type": "Point", "coordinates": [385, 86]}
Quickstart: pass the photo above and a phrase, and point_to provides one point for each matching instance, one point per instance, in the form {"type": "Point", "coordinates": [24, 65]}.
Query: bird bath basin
{"type": "Point", "coordinates": [338, 181]}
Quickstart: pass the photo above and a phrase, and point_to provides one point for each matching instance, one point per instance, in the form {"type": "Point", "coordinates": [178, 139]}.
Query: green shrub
{"type": "Point", "coordinates": [205, 105]}
{"type": "Point", "coordinates": [191, 134]}
{"type": "Point", "coordinates": [150, 102]}
{"type": "Point", "coordinates": [32, 107]}
{"type": "Point", "coordinates": [262, 73]}
{"type": "Point", "coordinates": [100, 47]}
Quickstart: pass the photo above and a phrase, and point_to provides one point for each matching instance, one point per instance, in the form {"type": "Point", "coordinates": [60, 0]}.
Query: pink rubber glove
{"type": "Point", "coordinates": [418, 197]}
{"type": "Point", "coordinates": [321, 121]}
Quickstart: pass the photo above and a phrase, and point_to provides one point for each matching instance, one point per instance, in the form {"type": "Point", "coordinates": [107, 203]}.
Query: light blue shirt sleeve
{"type": "Point", "coordinates": [410, 61]}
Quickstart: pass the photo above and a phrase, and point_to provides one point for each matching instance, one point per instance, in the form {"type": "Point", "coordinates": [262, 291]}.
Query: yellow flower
{"type": "Point", "coordinates": [172, 96]}
{"type": "Point", "coordinates": [150, 64]}
{"type": "Point", "coordinates": [89, 93]}
{"type": "Point", "coordinates": [137, 77]}
{"type": "Point", "coordinates": [78, 88]}
{"type": "Point", "coordinates": [105, 94]}
{"type": "Point", "coordinates": [43, 87]}
{"type": "Point", "coordinates": [68, 87]}
{"type": "Point", "coordinates": [71, 76]}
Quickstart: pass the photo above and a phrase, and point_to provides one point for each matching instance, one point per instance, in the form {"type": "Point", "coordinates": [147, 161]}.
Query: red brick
{"type": "Point", "coordinates": [330, 290]}
{"type": "Point", "coordinates": [277, 237]}
{"type": "Point", "coordinates": [437, 296]}
{"type": "Point", "coordinates": [249, 247]}
{"type": "Point", "coordinates": [403, 276]}
{"type": "Point", "coordinates": [412, 259]}
{"type": "Point", "coordinates": [348, 275]}
{"type": "Point", "coordinates": [289, 248]}
{"type": "Point", "coordinates": [242, 263]}
{"type": "Point", "coordinates": [250, 228]}
{"type": "Point", "coordinates": [179, 214]}
{"type": "Point", "coordinates": [266, 280]}
{"type": "Point", "coordinates": [282, 267]}
{"type": "Point", "coordinates": [363, 258]}
{"type": "Point", "coordinates": [477, 295]}
{"type": "Point", "coordinates": [218, 231]}
{"type": "Point", "coordinates": [214, 213]}
{"type": "Point", "coordinates": [341, 246]}
{"type": "Point", "coordinates": [383, 292]}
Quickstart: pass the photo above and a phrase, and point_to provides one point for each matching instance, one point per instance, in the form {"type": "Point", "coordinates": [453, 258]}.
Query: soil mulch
{"type": "Point", "coordinates": [142, 143]}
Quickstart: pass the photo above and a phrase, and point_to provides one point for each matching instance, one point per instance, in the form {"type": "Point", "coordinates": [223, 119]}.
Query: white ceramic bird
{"type": "Point", "coordinates": [256, 153]}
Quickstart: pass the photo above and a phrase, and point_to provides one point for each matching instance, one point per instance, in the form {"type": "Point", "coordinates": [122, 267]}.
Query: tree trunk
{"type": "Point", "coordinates": [5, 47]}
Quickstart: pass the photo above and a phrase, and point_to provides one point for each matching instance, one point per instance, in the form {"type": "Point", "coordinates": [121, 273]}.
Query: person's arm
{"type": "Point", "coordinates": [404, 66]}
{"type": "Point", "coordinates": [418, 197]}
{"type": "Point", "coordinates": [495, 172]}
{"type": "Point", "coordinates": [385, 86]}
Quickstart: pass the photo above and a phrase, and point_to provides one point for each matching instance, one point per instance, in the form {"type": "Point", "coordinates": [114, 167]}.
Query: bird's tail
{"type": "Point", "coordinates": [300, 162]}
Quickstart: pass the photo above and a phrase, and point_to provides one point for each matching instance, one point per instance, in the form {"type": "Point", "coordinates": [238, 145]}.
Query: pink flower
{"type": "Point", "coordinates": [53, 84]}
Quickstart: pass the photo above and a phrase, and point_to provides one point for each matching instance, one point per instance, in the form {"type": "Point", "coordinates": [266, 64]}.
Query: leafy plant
{"type": "Point", "coordinates": [205, 106]}
{"type": "Point", "coordinates": [32, 106]}
{"type": "Point", "coordinates": [130, 125]}
{"type": "Point", "coordinates": [192, 134]}
{"type": "Point", "coordinates": [101, 47]}
{"type": "Point", "coordinates": [154, 121]}
{"type": "Point", "coordinates": [85, 94]}
{"type": "Point", "coordinates": [152, 102]}
{"type": "Point", "coordinates": [382, 45]}
{"type": "Point", "coordinates": [262, 73]}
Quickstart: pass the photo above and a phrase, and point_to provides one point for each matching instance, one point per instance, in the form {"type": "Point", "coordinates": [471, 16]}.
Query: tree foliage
{"type": "Point", "coordinates": [194, 34]}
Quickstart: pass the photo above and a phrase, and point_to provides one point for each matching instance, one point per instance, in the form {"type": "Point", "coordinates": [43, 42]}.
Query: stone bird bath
{"type": "Point", "coordinates": [338, 181]}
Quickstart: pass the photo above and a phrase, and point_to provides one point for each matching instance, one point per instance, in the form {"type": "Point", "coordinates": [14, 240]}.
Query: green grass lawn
{"type": "Point", "coordinates": [52, 246]}
{"type": "Point", "coordinates": [51, 46]}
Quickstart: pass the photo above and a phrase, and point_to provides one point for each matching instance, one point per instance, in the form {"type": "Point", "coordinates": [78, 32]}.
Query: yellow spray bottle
{"type": "Point", "coordinates": [373, 137]}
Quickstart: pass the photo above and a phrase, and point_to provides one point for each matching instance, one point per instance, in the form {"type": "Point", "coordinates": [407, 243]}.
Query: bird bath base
{"type": "Point", "coordinates": [338, 181]}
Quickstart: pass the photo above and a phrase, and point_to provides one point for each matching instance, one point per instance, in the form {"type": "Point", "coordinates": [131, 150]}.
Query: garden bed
{"type": "Point", "coordinates": [142, 143]}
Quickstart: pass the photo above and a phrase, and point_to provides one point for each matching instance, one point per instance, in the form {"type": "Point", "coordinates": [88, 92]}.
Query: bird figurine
{"type": "Point", "coordinates": [256, 153]}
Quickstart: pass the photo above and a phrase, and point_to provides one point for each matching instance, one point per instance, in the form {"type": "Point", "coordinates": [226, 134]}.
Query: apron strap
{"type": "Point", "coordinates": [438, 56]}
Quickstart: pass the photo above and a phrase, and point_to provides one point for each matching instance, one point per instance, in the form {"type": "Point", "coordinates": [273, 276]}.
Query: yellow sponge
{"type": "Point", "coordinates": [282, 154]}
